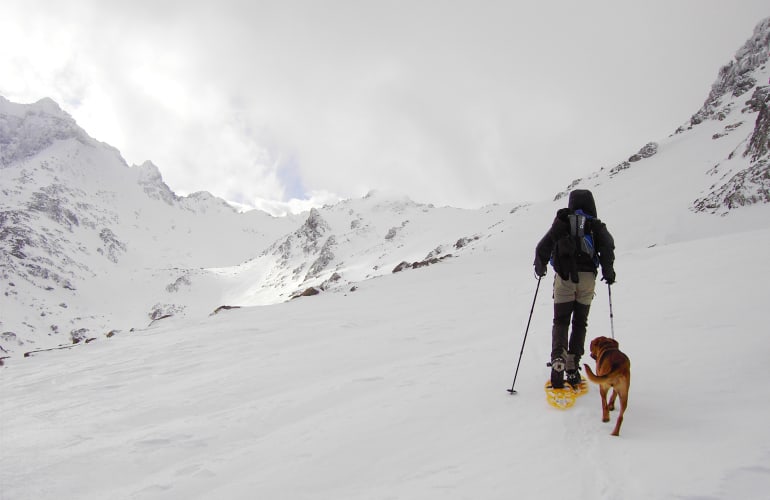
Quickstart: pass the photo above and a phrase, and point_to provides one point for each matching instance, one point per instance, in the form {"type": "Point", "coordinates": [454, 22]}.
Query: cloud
{"type": "Point", "coordinates": [460, 103]}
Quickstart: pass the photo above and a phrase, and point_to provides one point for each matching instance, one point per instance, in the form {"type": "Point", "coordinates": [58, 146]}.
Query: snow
{"type": "Point", "coordinates": [398, 391]}
{"type": "Point", "coordinates": [385, 385]}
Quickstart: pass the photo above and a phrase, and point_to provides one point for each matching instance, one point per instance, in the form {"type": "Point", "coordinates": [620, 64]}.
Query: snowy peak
{"type": "Point", "coordinates": [306, 238]}
{"type": "Point", "coordinates": [730, 134]}
{"type": "Point", "coordinates": [76, 221]}
{"type": "Point", "coordinates": [153, 185]}
{"type": "Point", "coordinates": [203, 202]}
{"type": "Point", "coordinates": [45, 106]}
{"type": "Point", "coordinates": [151, 181]}
{"type": "Point", "coordinates": [314, 227]}
{"type": "Point", "coordinates": [306, 251]}
{"type": "Point", "coordinates": [738, 76]}
{"type": "Point", "coordinates": [26, 130]}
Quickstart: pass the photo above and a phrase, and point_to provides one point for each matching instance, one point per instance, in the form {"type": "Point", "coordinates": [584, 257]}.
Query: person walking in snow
{"type": "Point", "coordinates": [576, 245]}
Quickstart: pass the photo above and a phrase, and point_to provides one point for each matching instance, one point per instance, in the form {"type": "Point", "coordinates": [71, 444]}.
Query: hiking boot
{"type": "Point", "coordinates": [557, 373]}
{"type": "Point", "coordinates": [573, 378]}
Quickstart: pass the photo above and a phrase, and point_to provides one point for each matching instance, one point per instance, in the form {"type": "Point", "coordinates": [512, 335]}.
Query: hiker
{"type": "Point", "coordinates": [575, 260]}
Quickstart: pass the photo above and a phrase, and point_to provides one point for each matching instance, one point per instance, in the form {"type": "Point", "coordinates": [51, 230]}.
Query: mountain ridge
{"type": "Point", "coordinates": [89, 245]}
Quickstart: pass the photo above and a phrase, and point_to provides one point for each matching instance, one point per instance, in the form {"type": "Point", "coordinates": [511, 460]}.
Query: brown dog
{"type": "Point", "coordinates": [613, 369]}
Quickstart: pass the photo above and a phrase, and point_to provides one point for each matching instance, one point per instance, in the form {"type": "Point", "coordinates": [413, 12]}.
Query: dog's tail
{"type": "Point", "coordinates": [596, 379]}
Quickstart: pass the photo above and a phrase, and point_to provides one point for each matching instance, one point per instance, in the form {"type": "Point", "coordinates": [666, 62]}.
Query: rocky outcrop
{"type": "Point", "coordinates": [423, 263]}
{"type": "Point", "coordinates": [325, 257]}
{"type": "Point", "coordinates": [759, 142]}
{"type": "Point", "coordinates": [735, 78]}
{"type": "Point", "coordinates": [747, 187]}
{"type": "Point", "coordinates": [182, 281]}
{"type": "Point", "coordinates": [223, 308]}
{"type": "Point", "coordinates": [162, 311]}
{"type": "Point", "coordinates": [463, 242]}
{"type": "Point", "coordinates": [394, 231]}
{"type": "Point", "coordinates": [113, 247]}
{"type": "Point", "coordinates": [308, 292]}
{"type": "Point", "coordinates": [648, 150]}
{"type": "Point", "coordinates": [53, 202]}
{"type": "Point", "coordinates": [751, 185]}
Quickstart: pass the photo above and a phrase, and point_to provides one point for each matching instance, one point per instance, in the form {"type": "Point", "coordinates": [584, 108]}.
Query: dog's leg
{"type": "Point", "coordinates": [611, 405]}
{"type": "Point", "coordinates": [623, 405]}
{"type": "Point", "coordinates": [605, 411]}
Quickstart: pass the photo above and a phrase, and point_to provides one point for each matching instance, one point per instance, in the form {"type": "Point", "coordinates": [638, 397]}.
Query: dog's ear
{"type": "Point", "coordinates": [592, 347]}
{"type": "Point", "coordinates": [613, 343]}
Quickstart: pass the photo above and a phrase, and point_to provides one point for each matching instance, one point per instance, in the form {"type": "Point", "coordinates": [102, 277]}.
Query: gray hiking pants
{"type": "Point", "coordinates": [567, 291]}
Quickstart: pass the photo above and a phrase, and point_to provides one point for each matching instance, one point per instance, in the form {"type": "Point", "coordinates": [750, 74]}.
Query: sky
{"type": "Point", "coordinates": [283, 105]}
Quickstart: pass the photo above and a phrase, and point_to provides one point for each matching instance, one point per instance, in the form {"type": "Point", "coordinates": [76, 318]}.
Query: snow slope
{"type": "Point", "coordinates": [398, 391]}
{"type": "Point", "coordinates": [393, 385]}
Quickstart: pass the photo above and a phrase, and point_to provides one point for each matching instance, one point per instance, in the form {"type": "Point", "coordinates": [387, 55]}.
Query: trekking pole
{"type": "Point", "coordinates": [612, 316]}
{"type": "Point", "coordinates": [512, 390]}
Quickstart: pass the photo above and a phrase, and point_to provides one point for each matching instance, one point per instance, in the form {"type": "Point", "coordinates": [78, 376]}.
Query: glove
{"type": "Point", "coordinates": [540, 268]}
{"type": "Point", "coordinates": [608, 276]}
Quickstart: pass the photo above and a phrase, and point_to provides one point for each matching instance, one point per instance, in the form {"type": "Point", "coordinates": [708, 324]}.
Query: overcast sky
{"type": "Point", "coordinates": [459, 103]}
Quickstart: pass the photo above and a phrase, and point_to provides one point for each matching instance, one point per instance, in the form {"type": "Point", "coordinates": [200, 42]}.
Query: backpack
{"type": "Point", "coordinates": [579, 243]}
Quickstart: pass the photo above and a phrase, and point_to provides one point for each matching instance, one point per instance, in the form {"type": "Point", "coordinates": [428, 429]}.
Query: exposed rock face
{"type": "Point", "coordinates": [325, 257]}
{"type": "Point", "coordinates": [52, 202]}
{"type": "Point", "coordinates": [306, 239]}
{"type": "Point", "coordinates": [739, 92]}
{"type": "Point", "coordinates": [69, 205]}
{"type": "Point", "coordinates": [113, 247]}
{"type": "Point", "coordinates": [182, 281]}
{"type": "Point", "coordinates": [737, 77]}
{"type": "Point", "coordinates": [759, 143]}
{"type": "Point", "coordinates": [313, 230]}
{"type": "Point", "coordinates": [308, 292]}
{"type": "Point", "coordinates": [750, 184]}
{"type": "Point", "coordinates": [422, 263]}
{"type": "Point", "coordinates": [648, 150]}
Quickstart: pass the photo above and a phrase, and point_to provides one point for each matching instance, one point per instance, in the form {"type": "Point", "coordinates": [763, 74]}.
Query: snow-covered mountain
{"type": "Point", "coordinates": [386, 384]}
{"type": "Point", "coordinates": [81, 233]}
{"type": "Point", "coordinates": [90, 246]}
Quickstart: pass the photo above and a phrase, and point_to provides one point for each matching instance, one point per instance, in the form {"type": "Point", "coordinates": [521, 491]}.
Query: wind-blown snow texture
{"type": "Point", "coordinates": [384, 385]}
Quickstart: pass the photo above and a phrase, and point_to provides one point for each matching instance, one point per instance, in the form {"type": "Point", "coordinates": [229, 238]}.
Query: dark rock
{"type": "Point", "coordinates": [759, 143]}
{"type": "Point", "coordinates": [423, 263]}
{"type": "Point", "coordinates": [462, 242]}
{"type": "Point", "coordinates": [403, 265]}
{"type": "Point", "coordinates": [79, 335]}
{"type": "Point", "coordinates": [648, 150]}
{"type": "Point", "coordinates": [224, 308]}
{"type": "Point", "coordinates": [308, 292]}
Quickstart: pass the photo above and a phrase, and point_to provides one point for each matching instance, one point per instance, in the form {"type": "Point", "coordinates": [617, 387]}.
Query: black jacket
{"type": "Point", "coordinates": [567, 264]}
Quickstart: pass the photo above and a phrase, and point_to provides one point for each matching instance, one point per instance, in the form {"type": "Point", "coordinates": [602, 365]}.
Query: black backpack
{"type": "Point", "coordinates": [578, 244]}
